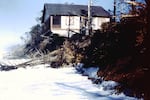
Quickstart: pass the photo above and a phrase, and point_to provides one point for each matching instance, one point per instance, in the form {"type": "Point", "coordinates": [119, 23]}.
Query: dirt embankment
{"type": "Point", "coordinates": [72, 50]}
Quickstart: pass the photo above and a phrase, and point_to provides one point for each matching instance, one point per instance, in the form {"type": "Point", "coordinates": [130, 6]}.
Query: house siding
{"type": "Point", "coordinates": [98, 21]}
{"type": "Point", "coordinates": [63, 30]}
{"type": "Point", "coordinates": [75, 24]}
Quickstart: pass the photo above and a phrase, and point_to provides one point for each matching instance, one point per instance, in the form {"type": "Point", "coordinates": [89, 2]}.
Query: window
{"type": "Point", "coordinates": [56, 21]}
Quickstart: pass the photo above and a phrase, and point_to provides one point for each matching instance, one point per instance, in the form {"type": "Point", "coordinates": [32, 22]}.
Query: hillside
{"type": "Point", "coordinates": [120, 50]}
{"type": "Point", "coordinates": [113, 53]}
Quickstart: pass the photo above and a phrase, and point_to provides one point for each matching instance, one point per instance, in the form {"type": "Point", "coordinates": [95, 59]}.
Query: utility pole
{"type": "Point", "coordinates": [89, 17]}
{"type": "Point", "coordinates": [114, 13]}
{"type": "Point", "coordinates": [69, 27]}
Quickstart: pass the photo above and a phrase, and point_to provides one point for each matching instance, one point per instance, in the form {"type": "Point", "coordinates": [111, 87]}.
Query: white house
{"type": "Point", "coordinates": [64, 18]}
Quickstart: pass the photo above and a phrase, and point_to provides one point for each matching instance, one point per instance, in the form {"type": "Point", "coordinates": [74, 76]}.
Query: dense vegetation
{"type": "Point", "coordinates": [122, 52]}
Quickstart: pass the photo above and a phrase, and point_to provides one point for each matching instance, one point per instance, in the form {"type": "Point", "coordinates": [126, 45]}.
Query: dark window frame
{"type": "Point", "coordinates": [56, 21]}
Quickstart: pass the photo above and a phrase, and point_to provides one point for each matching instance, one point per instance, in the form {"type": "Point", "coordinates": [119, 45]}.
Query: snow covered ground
{"type": "Point", "coordinates": [13, 62]}
{"type": "Point", "coordinates": [41, 83]}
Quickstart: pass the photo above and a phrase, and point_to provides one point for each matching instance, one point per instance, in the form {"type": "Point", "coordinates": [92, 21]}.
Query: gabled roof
{"type": "Point", "coordinates": [75, 10]}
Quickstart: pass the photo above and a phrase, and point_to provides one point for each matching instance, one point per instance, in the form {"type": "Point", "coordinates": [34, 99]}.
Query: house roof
{"type": "Point", "coordinates": [75, 10]}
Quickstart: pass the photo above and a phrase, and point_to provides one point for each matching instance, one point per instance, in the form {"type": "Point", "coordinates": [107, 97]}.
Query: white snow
{"type": "Point", "coordinates": [41, 83]}
{"type": "Point", "coordinates": [91, 72]}
{"type": "Point", "coordinates": [13, 62]}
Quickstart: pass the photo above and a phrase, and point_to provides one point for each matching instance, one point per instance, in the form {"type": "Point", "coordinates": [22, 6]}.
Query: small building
{"type": "Point", "coordinates": [66, 19]}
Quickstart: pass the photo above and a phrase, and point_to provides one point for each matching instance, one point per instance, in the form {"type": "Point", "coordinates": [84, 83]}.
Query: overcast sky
{"type": "Point", "coordinates": [18, 16]}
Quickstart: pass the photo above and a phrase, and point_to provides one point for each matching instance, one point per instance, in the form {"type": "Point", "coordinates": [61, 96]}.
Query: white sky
{"type": "Point", "coordinates": [18, 16]}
